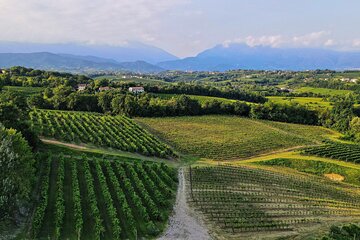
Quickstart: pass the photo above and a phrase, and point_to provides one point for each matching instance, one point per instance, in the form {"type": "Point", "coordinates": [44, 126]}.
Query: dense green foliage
{"type": "Point", "coordinates": [20, 76]}
{"type": "Point", "coordinates": [17, 172]}
{"type": "Point", "coordinates": [292, 113]}
{"type": "Point", "coordinates": [335, 150]}
{"type": "Point", "coordinates": [110, 199]}
{"type": "Point", "coordinates": [14, 114]}
{"type": "Point", "coordinates": [340, 116]}
{"type": "Point", "coordinates": [239, 199]}
{"type": "Point", "coordinates": [116, 132]}
{"type": "Point", "coordinates": [203, 90]}
{"type": "Point", "coordinates": [345, 232]}
{"type": "Point", "coordinates": [230, 137]}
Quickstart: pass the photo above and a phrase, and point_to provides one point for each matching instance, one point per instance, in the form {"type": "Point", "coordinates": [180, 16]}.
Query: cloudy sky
{"type": "Point", "coordinates": [184, 27]}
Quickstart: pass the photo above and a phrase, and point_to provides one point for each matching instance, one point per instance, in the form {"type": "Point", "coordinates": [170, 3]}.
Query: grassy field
{"type": "Point", "coordinates": [201, 99]}
{"type": "Point", "coordinates": [228, 137]}
{"type": "Point", "coordinates": [312, 102]}
{"type": "Point", "coordinates": [323, 91]}
{"type": "Point", "coordinates": [250, 203]}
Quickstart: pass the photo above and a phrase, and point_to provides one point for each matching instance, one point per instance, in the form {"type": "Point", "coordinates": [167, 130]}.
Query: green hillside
{"type": "Point", "coordinates": [117, 132]}
{"type": "Point", "coordinates": [243, 202]}
{"type": "Point", "coordinates": [227, 137]}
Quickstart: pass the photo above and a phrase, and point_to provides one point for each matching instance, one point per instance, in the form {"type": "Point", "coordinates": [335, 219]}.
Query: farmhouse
{"type": "Point", "coordinates": [136, 90]}
{"type": "Point", "coordinates": [81, 87]}
{"type": "Point", "coordinates": [285, 90]}
{"type": "Point", "coordinates": [101, 89]}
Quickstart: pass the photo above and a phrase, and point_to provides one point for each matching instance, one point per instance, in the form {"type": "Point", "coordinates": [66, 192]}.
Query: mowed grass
{"type": "Point", "coordinates": [323, 91]}
{"type": "Point", "coordinates": [230, 137]}
{"type": "Point", "coordinates": [312, 102]}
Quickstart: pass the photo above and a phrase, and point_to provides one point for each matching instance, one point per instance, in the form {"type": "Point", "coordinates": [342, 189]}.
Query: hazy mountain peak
{"type": "Point", "coordinates": [129, 52]}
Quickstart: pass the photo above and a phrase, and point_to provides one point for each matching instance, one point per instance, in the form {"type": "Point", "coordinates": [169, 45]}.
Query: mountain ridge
{"type": "Point", "coordinates": [242, 56]}
{"type": "Point", "coordinates": [67, 62]}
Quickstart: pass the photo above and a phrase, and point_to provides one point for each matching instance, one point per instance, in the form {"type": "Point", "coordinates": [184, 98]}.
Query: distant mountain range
{"type": "Point", "coordinates": [72, 63]}
{"type": "Point", "coordinates": [241, 56]}
{"type": "Point", "coordinates": [137, 57]}
{"type": "Point", "coordinates": [128, 52]}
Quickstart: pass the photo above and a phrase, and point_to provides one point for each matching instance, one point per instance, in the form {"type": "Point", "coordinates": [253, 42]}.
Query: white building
{"type": "Point", "coordinates": [102, 89]}
{"type": "Point", "coordinates": [81, 87]}
{"type": "Point", "coordinates": [136, 90]}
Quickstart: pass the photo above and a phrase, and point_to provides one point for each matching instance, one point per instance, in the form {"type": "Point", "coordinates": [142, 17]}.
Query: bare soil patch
{"type": "Point", "coordinates": [335, 177]}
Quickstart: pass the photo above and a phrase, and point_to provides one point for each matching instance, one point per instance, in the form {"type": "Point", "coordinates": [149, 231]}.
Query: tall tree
{"type": "Point", "coordinates": [17, 168]}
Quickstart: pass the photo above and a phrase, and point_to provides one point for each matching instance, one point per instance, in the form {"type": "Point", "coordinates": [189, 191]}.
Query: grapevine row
{"type": "Point", "coordinates": [117, 132]}
{"type": "Point", "coordinates": [108, 199]}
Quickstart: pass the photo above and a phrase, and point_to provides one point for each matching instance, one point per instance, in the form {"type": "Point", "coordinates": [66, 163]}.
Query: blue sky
{"type": "Point", "coordinates": [184, 27]}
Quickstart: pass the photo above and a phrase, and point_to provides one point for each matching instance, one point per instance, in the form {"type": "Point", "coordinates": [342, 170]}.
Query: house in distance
{"type": "Point", "coordinates": [136, 90]}
{"type": "Point", "coordinates": [102, 89]}
{"type": "Point", "coordinates": [81, 87]}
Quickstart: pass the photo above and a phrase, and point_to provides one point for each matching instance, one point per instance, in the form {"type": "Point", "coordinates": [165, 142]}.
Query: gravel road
{"type": "Point", "coordinates": [183, 223]}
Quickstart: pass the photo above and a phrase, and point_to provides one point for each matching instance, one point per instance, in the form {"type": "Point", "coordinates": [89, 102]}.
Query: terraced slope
{"type": "Point", "coordinates": [117, 132]}
{"type": "Point", "coordinates": [341, 151]}
{"type": "Point", "coordinates": [228, 137]}
{"type": "Point", "coordinates": [240, 200]}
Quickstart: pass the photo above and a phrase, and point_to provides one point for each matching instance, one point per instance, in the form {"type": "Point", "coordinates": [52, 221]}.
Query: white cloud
{"type": "Point", "coordinates": [273, 41]}
{"type": "Point", "coordinates": [311, 39]}
{"type": "Point", "coordinates": [356, 43]}
{"type": "Point", "coordinates": [95, 21]}
{"type": "Point", "coordinates": [330, 43]}
{"type": "Point", "coordinates": [314, 39]}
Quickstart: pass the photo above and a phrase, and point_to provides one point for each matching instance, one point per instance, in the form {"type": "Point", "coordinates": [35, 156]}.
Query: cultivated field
{"type": "Point", "coordinates": [248, 202]}
{"type": "Point", "coordinates": [102, 199]}
{"type": "Point", "coordinates": [323, 91]}
{"type": "Point", "coordinates": [106, 131]}
{"type": "Point", "coordinates": [201, 99]}
{"type": "Point", "coordinates": [341, 151]}
{"type": "Point", "coordinates": [228, 137]}
{"type": "Point", "coordinates": [330, 170]}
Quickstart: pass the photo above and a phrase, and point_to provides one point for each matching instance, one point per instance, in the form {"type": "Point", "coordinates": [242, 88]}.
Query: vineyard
{"type": "Point", "coordinates": [117, 132]}
{"type": "Point", "coordinates": [341, 151]}
{"type": "Point", "coordinates": [96, 199]}
{"type": "Point", "coordinates": [227, 137]}
{"type": "Point", "coordinates": [321, 168]}
{"type": "Point", "coordinates": [241, 200]}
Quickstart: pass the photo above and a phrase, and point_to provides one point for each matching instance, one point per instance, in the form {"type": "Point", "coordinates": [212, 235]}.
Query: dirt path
{"type": "Point", "coordinates": [62, 143]}
{"type": "Point", "coordinates": [183, 224]}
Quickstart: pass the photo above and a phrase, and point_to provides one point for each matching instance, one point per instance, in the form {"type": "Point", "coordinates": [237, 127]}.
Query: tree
{"type": "Point", "coordinates": [104, 100]}
{"type": "Point", "coordinates": [355, 128]}
{"type": "Point", "coordinates": [118, 104]}
{"type": "Point", "coordinates": [60, 96]}
{"type": "Point", "coordinates": [342, 113]}
{"type": "Point", "coordinates": [38, 101]}
{"type": "Point", "coordinates": [16, 160]}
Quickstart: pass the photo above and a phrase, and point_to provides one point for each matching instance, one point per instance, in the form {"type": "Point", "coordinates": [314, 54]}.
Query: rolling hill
{"type": "Point", "coordinates": [74, 63]}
